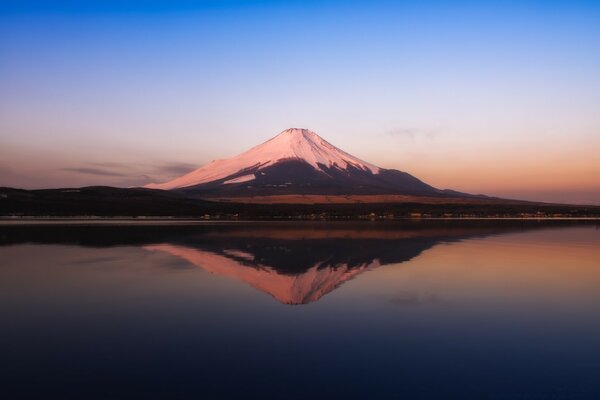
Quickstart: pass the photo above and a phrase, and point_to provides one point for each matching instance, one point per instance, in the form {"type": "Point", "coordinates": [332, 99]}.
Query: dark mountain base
{"type": "Point", "coordinates": [114, 202]}
{"type": "Point", "coordinates": [298, 177]}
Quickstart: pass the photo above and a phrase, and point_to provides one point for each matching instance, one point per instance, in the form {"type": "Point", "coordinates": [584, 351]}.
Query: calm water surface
{"type": "Point", "coordinates": [414, 310]}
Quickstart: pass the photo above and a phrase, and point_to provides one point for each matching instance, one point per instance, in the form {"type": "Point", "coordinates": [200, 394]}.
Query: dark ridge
{"type": "Point", "coordinates": [102, 201]}
{"type": "Point", "coordinates": [299, 177]}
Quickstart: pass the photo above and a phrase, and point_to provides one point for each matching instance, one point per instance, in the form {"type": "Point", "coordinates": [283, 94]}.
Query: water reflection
{"type": "Point", "coordinates": [467, 310]}
{"type": "Point", "coordinates": [291, 288]}
{"type": "Point", "coordinates": [300, 266]}
{"type": "Point", "coordinates": [294, 263]}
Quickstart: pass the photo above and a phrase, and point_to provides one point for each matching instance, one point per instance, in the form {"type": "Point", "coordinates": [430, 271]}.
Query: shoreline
{"type": "Point", "coordinates": [30, 220]}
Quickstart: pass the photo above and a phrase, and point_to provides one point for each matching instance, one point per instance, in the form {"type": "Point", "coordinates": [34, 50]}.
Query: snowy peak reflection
{"type": "Point", "coordinates": [289, 288]}
{"type": "Point", "coordinates": [296, 268]}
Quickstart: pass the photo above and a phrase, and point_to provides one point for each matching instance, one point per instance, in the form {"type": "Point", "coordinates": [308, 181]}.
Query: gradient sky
{"type": "Point", "coordinates": [501, 98]}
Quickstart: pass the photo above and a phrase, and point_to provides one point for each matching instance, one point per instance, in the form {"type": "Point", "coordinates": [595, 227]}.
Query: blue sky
{"type": "Point", "coordinates": [493, 97]}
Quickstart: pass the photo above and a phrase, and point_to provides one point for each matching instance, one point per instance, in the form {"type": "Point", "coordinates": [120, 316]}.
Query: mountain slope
{"type": "Point", "coordinates": [297, 161]}
{"type": "Point", "coordinates": [291, 144]}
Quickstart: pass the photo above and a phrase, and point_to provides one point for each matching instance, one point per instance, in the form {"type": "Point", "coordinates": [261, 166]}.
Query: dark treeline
{"type": "Point", "coordinates": [111, 202]}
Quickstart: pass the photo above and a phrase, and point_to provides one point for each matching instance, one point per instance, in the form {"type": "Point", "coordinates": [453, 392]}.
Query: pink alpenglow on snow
{"type": "Point", "coordinates": [302, 288]}
{"type": "Point", "coordinates": [291, 144]}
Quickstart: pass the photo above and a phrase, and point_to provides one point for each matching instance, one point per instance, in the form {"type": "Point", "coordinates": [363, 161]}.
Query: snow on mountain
{"type": "Point", "coordinates": [240, 179]}
{"type": "Point", "coordinates": [291, 144]}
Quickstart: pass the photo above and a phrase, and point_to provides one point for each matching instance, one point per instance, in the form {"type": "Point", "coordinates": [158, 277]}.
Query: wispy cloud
{"type": "Point", "coordinates": [162, 172]}
{"type": "Point", "coordinates": [94, 171]}
{"type": "Point", "coordinates": [413, 133]}
{"type": "Point", "coordinates": [138, 173]}
{"type": "Point", "coordinates": [107, 164]}
{"type": "Point", "coordinates": [175, 168]}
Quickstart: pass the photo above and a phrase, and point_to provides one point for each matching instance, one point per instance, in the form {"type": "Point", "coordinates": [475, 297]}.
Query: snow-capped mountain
{"type": "Point", "coordinates": [297, 161]}
{"type": "Point", "coordinates": [291, 144]}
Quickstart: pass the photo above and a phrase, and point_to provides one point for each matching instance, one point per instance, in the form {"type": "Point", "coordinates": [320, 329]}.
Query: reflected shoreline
{"type": "Point", "coordinates": [8, 221]}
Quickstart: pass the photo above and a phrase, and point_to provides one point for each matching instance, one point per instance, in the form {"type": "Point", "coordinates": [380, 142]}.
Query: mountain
{"type": "Point", "coordinates": [296, 174]}
{"type": "Point", "coordinates": [297, 161]}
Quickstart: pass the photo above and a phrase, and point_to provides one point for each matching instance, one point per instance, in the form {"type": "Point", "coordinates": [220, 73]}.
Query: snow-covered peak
{"type": "Point", "coordinates": [299, 134]}
{"type": "Point", "coordinates": [304, 144]}
{"type": "Point", "coordinates": [294, 143]}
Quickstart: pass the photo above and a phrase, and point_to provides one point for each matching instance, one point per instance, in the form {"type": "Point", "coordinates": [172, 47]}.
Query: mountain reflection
{"type": "Point", "coordinates": [294, 263]}
{"type": "Point", "coordinates": [290, 288]}
{"type": "Point", "coordinates": [297, 266]}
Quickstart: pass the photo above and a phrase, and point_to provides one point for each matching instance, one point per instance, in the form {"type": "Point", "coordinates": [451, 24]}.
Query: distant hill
{"type": "Point", "coordinates": [97, 200]}
{"type": "Point", "coordinates": [102, 201]}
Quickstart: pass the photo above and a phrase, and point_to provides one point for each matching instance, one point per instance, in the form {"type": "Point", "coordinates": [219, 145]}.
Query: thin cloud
{"type": "Point", "coordinates": [163, 172]}
{"type": "Point", "coordinates": [94, 171]}
{"type": "Point", "coordinates": [134, 174]}
{"type": "Point", "coordinates": [110, 165]}
{"type": "Point", "coordinates": [175, 168]}
{"type": "Point", "coordinates": [412, 134]}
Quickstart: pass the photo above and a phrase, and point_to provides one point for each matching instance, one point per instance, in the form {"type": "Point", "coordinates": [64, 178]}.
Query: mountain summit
{"type": "Point", "coordinates": [296, 161]}
{"type": "Point", "coordinates": [291, 144]}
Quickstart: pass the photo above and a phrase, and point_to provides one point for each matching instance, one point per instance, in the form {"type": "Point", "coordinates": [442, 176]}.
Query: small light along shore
{"type": "Point", "coordinates": [24, 220]}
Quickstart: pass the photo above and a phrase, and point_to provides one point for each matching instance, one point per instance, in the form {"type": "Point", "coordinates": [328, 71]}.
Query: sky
{"type": "Point", "coordinates": [501, 98]}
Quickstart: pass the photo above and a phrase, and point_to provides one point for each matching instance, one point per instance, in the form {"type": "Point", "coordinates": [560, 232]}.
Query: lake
{"type": "Point", "coordinates": [372, 310]}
